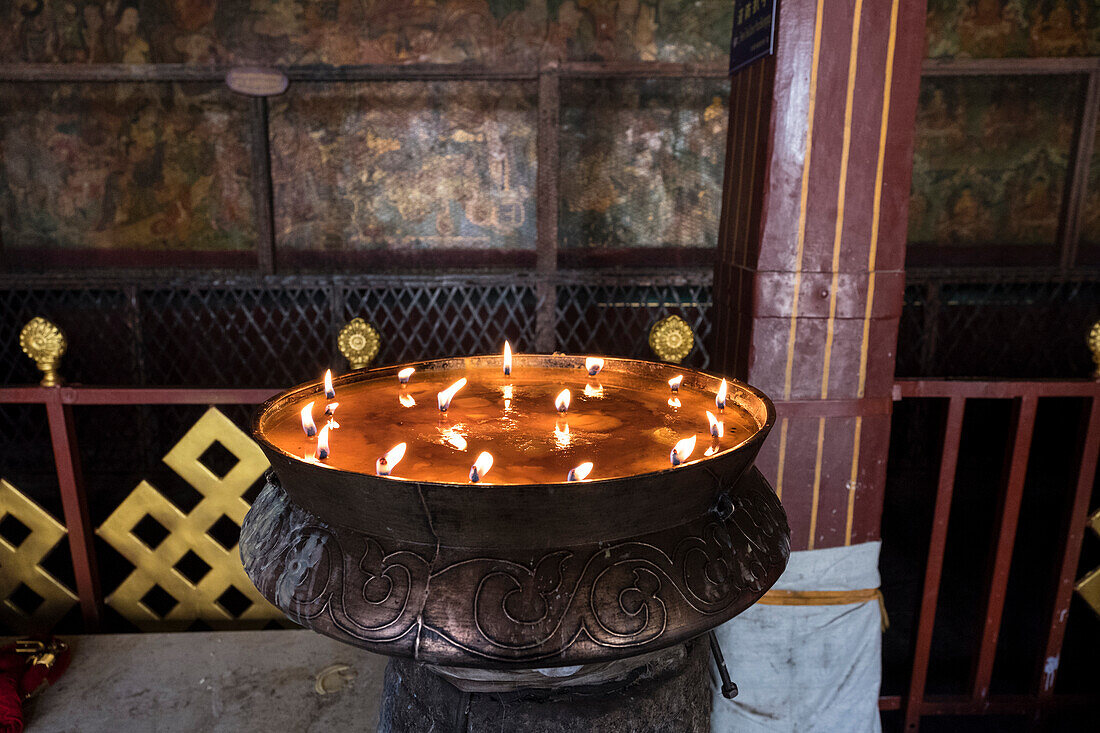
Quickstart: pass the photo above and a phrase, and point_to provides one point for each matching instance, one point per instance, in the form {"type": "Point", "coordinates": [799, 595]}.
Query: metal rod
{"type": "Point", "coordinates": [729, 689]}
{"type": "Point", "coordinates": [934, 569]}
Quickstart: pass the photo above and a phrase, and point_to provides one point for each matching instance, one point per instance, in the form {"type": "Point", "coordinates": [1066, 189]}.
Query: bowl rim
{"type": "Point", "coordinates": [356, 376]}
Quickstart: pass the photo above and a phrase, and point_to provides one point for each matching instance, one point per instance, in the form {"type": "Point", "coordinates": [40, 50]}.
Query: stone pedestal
{"type": "Point", "coordinates": [665, 693]}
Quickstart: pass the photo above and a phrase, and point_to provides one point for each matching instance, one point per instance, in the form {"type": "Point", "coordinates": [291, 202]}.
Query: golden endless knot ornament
{"type": "Point", "coordinates": [1094, 347]}
{"type": "Point", "coordinates": [359, 342]}
{"type": "Point", "coordinates": [671, 339]}
{"type": "Point", "coordinates": [44, 342]}
{"type": "Point", "coordinates": [31, 598]}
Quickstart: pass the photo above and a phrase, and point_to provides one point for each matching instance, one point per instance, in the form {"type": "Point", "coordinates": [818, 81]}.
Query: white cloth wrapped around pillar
{"type": "Point", "coordinates": [807, 668]}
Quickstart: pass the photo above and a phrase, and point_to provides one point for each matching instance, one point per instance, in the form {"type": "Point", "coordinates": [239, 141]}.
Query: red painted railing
{"type": "Point", "coordinates": [58, 402]}
{"type": "Point", "coordinates": [1026, 396]}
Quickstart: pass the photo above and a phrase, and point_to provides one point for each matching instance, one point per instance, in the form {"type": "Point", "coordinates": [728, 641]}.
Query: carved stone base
{"type": "Point", "coordinates": [668, 695]}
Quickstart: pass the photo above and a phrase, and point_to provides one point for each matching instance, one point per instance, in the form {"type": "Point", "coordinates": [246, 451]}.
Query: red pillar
{"type": "Point", "coordinates": [810, 273]}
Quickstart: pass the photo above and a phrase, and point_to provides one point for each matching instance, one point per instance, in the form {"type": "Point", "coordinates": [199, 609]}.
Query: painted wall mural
{"type": "Point", "coordinates": [991, 159]}
{"type": "Point", "coordinates": [357, 166]}
{"type": "Point", "coordinates": [642, 163]}
{"type": "Point", "coordinates": [341, 32]}
{"type": "Point", "coordinates": [124, 166]}
{"type": "Point", "coordinates": [1007, 28]}
{"type": "Point", "coordinates": [405, 165]}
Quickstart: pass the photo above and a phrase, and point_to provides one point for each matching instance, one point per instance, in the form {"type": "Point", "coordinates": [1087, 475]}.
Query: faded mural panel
{"type": "Point", "coordinates": [642, 162]}
{"type": "Point", "coordinates": [991, 159]}
{"type": "Point", "coordinates": [1007, 28]}
{"type": "Point", "coordinates": [404, 165]}
{"type": "Point", "coordinates": [342, 32]}
{"type": "Point", "coordinates": [124, 166]}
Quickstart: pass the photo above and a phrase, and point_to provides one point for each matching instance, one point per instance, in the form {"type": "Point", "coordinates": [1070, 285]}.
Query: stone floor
{"type": "Point", "coordinates": [219, 681]}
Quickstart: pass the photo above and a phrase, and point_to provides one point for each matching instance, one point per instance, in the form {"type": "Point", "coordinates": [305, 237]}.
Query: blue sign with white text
{"type": "Point", "coordinates": [753, 31]}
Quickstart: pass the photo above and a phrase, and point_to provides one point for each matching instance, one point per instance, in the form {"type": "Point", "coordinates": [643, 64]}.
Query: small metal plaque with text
{"type": "Point", "coordinates": [753, 32]}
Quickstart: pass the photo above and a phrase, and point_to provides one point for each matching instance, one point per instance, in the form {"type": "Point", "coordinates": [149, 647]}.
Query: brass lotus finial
{"type": "Point", "coordinates": [671, 339]}
{"type": "Point", "coordinates": [44, 342]}
{"type": "Point", "coordinates": [1094, 347]}
{"type": "Point", "coordinates": [359, 342]}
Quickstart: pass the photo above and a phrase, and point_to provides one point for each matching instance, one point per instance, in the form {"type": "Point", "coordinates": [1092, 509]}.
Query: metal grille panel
{"type": "Point", "coordinates": [429, 322]}
{"type": "Point", "coordinates": [615, 318]}
{"type": "Point", "coordinates": [1002, 328]}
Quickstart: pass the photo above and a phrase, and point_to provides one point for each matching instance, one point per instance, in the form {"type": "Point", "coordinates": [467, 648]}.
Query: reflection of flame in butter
{"type": "Point", "coordinates": [673, 401]}
{"type": "Point", "coordinates": [454, 436]}
{"type": "Point", "coordinates": [590, 391]}
{"type": "Point", "coordinates": [712, 450]}
{"type": "Point", "coordinates": [507, 393]}
{"type": "Point", "coordinates": [407, 400]}
{"type": "Point", "coordinates": [561, 435]}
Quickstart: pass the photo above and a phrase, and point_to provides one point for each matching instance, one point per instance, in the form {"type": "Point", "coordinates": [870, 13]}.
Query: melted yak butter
{"type": "Point", "coordinates": [625, 428]}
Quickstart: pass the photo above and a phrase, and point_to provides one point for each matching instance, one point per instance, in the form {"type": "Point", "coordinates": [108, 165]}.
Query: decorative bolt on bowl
{"type": "Point", "coordinates": [515, 512]}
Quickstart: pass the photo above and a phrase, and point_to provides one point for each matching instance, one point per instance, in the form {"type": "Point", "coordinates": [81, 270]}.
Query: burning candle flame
{"type": "Point", "coordinates": [717, 427]}
{"type": "Point", "coordinates": [322, 444]}
{"type": "Point", "coordinates": [331, 408]}
{"type": "Point", "coordinates": [673, 402]}
{"type": "Point", "coordinates": [307, 420]}
{"type": "Point", "coordinates": [444, 398]}
{"type": "Point", "coordinates": [405, 375]}
{"type": "Point", "coordinates": [682, 451]}
{"type": "Point", "coordinates": [407, 400]}
{"type": "Point", "coordinates": [720, 398]}
{"type": "Point", "coordinates": [580, 473]}
{"type": "Point", "coordinates": [481, 467]}
{"type": "Point", "coordinates": [562, 401]}
{"type": "Point", "coordinates": [386, 463]}
{"type": "Point", "coordinates": [507, 359]}
{"type": "Point", "coordinates": [330, 392]}
{"type": "Point", "coordinates": [675, 382]}
{"type": "Point", "coordinates": [593, 364]}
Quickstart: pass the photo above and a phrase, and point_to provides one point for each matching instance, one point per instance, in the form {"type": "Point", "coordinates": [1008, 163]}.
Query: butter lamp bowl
{"type": "Point", "coordinates": [516, 575]}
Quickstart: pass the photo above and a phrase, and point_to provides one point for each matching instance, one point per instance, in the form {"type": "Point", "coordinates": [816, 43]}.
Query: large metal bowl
{"type": "Point", "coordinates": [531, 575]}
